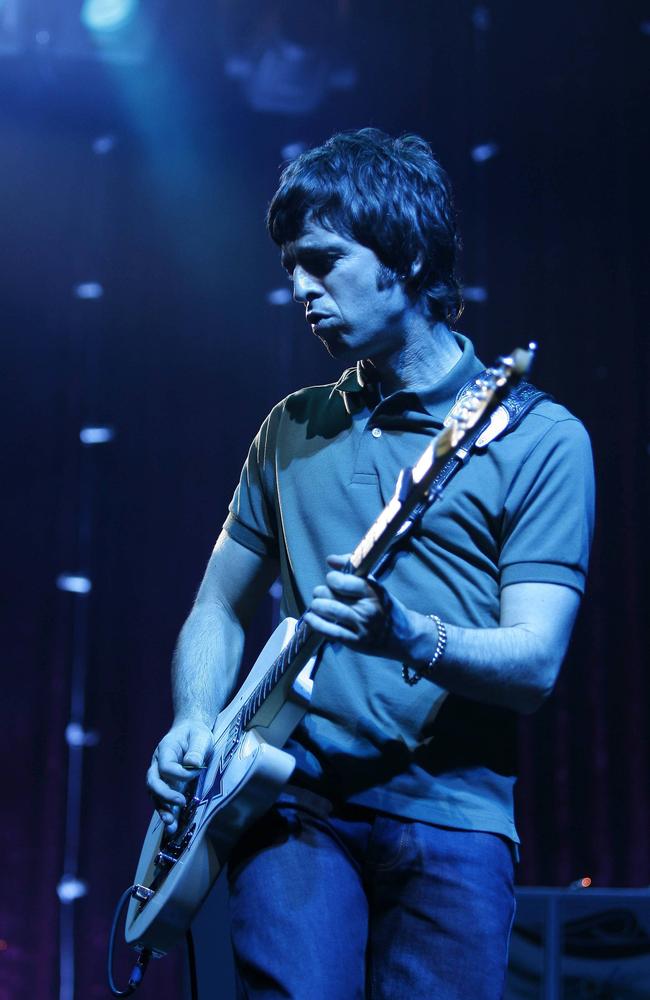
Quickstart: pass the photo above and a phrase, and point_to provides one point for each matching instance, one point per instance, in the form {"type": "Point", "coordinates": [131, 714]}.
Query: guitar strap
{"type": "Point", "coordinates": [508, 415]}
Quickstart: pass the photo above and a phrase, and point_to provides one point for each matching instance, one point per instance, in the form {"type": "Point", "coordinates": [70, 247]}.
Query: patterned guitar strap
{"type": "Point", "coordinates": [508, 415]}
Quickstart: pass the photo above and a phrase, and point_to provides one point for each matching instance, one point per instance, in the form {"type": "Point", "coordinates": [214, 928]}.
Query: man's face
{"type": "Point", "coordinates": [351, 306]}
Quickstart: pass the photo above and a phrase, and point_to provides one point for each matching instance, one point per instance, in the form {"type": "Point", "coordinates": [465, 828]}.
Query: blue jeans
{"type": "Point", "coordinates": [356, 904]}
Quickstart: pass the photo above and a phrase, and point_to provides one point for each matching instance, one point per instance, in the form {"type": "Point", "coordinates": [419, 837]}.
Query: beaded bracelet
{"type": "Point", "coordinates": [412, 678]}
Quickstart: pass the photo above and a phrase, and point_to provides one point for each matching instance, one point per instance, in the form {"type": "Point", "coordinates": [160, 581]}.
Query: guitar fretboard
{"type": "Point", "coordinates": [303, 641]}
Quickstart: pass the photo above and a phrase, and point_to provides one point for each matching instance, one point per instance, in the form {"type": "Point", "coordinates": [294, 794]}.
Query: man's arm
{"type": "Point", "coordinates": [515, 665]}
{"type": "Point", "coordinates": [206, 663]}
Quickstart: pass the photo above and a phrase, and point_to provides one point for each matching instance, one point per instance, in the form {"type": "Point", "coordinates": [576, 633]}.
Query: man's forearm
{"type": "Point", "coordinates": [514, 665]}
{"type": "Point", "coordinates": [508, 666]}
{"type": "Point", "coordinates": [206, 662]}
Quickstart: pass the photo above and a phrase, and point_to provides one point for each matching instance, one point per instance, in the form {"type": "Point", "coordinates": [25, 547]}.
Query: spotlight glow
{"type": "Point", "coordinates": [71, 888]}
{"type": "Point", "coordinates": [101, 16]}
{"type": "Point", "coordinates": [88, 290]}
{"type": "Point", "coordinates": [279, 297]}
{"type": "Point", "coordinates": [292, 150]}
{"type": "Point", "coordinates": [475, 293]}
{"type": "Point", "coordinates": [77, 736]}
{"type": "Point", "coordinates": [96, 435]}
{"type": "Point", "coordinates": [74, 584]}
{"type": "Point", "coordinates": [103, 144]}
{"type": "Point", "coordinates": [485, 151]}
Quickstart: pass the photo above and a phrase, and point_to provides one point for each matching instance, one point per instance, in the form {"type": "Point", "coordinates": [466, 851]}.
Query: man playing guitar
{"type": "Point", "coordinates": [385, 869]}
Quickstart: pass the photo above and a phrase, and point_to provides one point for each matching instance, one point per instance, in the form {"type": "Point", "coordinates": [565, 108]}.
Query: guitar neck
{"type": "Point", "coordinates": [411, 490]}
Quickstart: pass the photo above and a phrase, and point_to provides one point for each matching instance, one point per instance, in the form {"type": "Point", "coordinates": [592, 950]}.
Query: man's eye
{"type": "Point", "coordinates": [320, 264]}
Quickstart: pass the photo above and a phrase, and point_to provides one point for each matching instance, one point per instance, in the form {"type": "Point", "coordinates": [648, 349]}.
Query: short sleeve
{"type": "Point", "coordinates": [549, 511]}
{"type": "Point", "coordinates": [252, 519]}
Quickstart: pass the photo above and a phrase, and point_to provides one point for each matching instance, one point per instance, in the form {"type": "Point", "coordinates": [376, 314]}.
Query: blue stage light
{"type": "Point", "coordinates": [292, 150]}
{"type": "Point", "coordinates": [475, 293]}
{"type": "Point", "coordinates": [73, 583]}
{"type": "Point", "coordinates": [279, 297]}
{"type": "Point", "coordinates": [107, 15]}
{"type": "Point", "coordinates": [103, 144]}
{"type": "Point", "coordinates": [96, 435]}
{"type": "Point", "coordinates": [77, 736]}
{"type": "Point", "coordinates": [71, 888]}
{"type": "Point", "coordinates": [88, 290]}
{"type": "Point", "coordinates": [485, 151]}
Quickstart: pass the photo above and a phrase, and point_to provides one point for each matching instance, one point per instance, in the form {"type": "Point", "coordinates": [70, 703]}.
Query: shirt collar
{"type": "Point", "coordinates": [357, 388]}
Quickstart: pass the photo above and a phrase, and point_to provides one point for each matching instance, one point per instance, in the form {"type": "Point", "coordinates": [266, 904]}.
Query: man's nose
{"type": "Point", "coordinates": [305, 286]}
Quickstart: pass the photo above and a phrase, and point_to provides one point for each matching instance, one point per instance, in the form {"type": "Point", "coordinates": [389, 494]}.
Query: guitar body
{"type": "Point", "coordinates": [244, 776]}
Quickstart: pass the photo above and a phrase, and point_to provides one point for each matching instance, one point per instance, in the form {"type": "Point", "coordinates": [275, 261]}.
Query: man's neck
{"type": "Point", "coordinates": [426, 357]}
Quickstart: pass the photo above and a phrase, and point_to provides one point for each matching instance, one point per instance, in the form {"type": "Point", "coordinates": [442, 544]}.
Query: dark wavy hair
{"type": "Point", "coordinates": [389, 194]}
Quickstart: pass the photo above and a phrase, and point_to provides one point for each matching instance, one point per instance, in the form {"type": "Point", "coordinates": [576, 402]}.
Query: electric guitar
{"type": "Point", "coordinates": [248, 768]}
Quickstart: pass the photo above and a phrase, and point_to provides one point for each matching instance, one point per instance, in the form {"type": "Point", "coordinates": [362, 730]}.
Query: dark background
{"type": "Point", "coordinates": [183, 355]}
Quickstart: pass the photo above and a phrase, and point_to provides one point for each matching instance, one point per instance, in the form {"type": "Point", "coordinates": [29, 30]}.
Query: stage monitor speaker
{"type": "Point", "coordinates": [580, 944]}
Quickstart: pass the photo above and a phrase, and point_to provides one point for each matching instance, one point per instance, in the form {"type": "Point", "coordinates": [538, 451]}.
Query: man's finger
{"type": "Point", "coordinates": [345, 583]}
{"type": "Point", "coordinates": [161, 790]}
{"type": "Point", "coordinates": [338, 561]}
{"type": "Point", "coordinates": [191, 749]}
{"type": "Point", "coordinates": [334, 632]}
{"type": "Point", "coordinates": [198, 752]}
{"type": "Point", "coordinates": [178, 772]}
{"type": "Point", "coordinates": [334, 611]}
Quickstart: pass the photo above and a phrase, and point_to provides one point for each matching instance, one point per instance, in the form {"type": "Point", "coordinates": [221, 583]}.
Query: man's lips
{"type": "Point", "coordinates": [314, 317]}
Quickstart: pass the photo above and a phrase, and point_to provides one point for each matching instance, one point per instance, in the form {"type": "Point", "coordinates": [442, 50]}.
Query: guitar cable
{"type": "Point", "coordinates": [191, 961]}
{"type": "Point", "coordinates": [140, 967]}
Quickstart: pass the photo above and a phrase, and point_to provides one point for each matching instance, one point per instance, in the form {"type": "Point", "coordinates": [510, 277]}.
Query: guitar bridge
{"type": "Point", "coordinates": [167, 857]}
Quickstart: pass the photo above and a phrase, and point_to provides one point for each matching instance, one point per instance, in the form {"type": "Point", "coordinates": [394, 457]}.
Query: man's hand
{"type": "Point", "coordinates": [360, 613]}
{"type": "Point", "coordinates": [178, 757]}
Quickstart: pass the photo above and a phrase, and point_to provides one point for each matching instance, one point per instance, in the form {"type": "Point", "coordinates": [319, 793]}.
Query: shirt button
{"type": "Point", "coordinates": [376, 433]}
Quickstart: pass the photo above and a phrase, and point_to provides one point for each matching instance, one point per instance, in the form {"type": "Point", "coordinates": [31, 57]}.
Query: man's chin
{"type": "Point", "coordinates": [337, 348]}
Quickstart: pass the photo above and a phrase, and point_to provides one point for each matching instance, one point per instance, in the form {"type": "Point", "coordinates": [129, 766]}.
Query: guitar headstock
{"type": "Point", "coordinates": [485, 393]}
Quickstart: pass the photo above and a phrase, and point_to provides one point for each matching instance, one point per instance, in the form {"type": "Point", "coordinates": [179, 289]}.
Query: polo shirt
{"type": "Point", "coordinates": [319, 471]}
